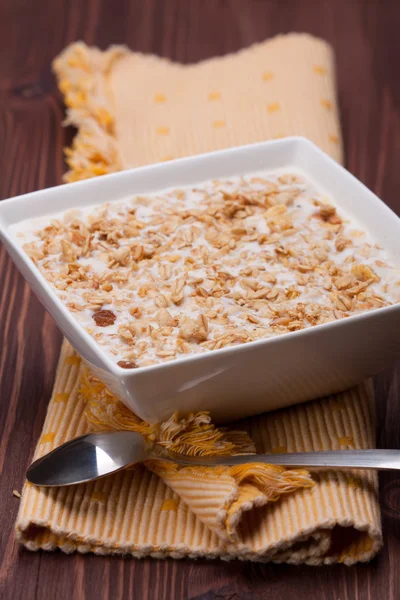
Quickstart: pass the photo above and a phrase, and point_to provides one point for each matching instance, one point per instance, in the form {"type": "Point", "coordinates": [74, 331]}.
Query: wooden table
{"type": "Point", "coordinates": [365, 36]}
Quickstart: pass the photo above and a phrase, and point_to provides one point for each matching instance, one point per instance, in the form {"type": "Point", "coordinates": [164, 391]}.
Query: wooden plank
{"type": "Point", "coordinates": [365, 38]}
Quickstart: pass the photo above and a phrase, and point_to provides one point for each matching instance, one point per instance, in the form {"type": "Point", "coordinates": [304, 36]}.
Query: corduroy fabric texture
{"type": "Point", "coordinates": [132, 109]}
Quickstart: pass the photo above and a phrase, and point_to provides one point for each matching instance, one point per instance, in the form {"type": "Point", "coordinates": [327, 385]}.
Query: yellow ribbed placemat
{"type": "Point", "coordinates": [132, 109]}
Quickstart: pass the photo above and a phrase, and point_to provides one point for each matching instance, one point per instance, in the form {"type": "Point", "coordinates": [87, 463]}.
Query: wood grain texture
{"type": "Point", "coordinates": [366, 40]}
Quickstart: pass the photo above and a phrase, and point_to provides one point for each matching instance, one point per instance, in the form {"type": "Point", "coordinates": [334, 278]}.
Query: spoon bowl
{"type": "Point", "coordinates": [88, 457]}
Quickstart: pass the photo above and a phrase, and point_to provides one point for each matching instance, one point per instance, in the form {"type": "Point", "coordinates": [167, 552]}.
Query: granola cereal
{"type": "Point", "coordinates": [190, 270]}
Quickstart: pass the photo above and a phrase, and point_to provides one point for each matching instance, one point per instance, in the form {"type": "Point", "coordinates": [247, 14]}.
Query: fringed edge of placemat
{"type": "Point", "coordinates": [82, 79]}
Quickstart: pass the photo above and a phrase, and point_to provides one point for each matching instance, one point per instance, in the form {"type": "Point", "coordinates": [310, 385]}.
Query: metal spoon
{"type": "Point", "coordinates": [95, 455]}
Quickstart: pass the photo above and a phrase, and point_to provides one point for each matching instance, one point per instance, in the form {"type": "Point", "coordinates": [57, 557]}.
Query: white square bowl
{"type": "Point", "coordinates": [249, 378]}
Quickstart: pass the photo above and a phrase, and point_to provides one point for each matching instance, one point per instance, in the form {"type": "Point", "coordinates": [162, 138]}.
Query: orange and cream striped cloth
{"type": "Point", "coordinates": [129, 110]}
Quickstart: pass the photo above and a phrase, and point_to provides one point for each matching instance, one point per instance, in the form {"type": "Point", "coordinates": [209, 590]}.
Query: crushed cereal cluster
{"type": "Point", "coordinates": [157, 277]}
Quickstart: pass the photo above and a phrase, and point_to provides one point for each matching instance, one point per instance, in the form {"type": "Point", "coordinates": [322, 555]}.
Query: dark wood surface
{"type": "Point", "coordinates": [365, 35]}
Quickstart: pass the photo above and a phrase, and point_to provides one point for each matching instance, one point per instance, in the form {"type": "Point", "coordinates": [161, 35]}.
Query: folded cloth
{"type": "Point", "coordinates": [129, 110]}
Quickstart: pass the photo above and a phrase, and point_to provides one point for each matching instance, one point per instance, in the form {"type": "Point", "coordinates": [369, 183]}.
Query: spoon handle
{"type": "Point", "coordinates": [384, 460]}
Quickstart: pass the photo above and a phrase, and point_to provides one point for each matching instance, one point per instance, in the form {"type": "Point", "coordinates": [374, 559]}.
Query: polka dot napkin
{"type": "Point", "coordinates": [129, 110]}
